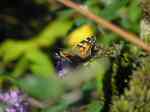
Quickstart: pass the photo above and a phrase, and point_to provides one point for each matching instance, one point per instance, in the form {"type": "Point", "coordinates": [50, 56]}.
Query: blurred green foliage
{"type": "Point", "coordinates": [41, 88]}
{"type": "Point", "coordinates": [27, 63]}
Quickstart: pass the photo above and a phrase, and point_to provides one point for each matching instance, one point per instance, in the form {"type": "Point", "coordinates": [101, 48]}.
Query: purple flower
{"type": "Point", "coordinates": [14, 101]}
{"type": "Point", "coordinates": [62, 66]}
{"type": "Point", "coordinates": [10, 110]}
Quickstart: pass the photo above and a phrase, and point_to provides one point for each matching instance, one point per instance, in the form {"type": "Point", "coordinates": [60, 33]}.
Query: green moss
{"type": "Point", "coordinates": [137, 97]}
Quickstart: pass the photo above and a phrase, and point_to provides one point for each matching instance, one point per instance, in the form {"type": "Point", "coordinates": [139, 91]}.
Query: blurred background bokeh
{"type": "Point", "coordinates": [33, 31]}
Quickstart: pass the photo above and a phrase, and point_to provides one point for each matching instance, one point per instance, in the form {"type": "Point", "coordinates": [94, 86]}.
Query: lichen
{"type": "Point", "coordinates": [136, 98]}
{"type": "Point", "coordinates": [145, 22]}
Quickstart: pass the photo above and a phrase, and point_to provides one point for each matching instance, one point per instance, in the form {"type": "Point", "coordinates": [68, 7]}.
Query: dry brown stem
{"type": "Point", "coordinates": [106, 24]}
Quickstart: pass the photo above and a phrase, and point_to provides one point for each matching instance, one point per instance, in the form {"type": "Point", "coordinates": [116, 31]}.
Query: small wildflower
{"type": "Point", "coordinates": [14, 101]}
{"type": "Point", "coordinates": [62, 65]}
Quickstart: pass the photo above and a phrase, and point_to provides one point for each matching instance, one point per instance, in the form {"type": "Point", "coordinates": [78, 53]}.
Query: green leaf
{"type": "Point", "coordinates": [94, 6]}
{"type": "Point", "coordinates": [110, 12]}
{"type": "Point", "coordinates": [20, 67]}
{"type": "Point", "coordinates": [53, 31]}
{"type": "Point", "coordinates": [40, 64]}
{"type": "Point", "coordinates": [67, 13]}
{"type": "Point", "coordinates": [101, 67]}
{"type": "Point", "coordinates": [95, 106]}
{"type": "Point", "coordinates": [42, 88]}
{"type": "Point", "coordinates": [134, 11]}
{"type": "Point", "coordinates": [2, 107]}
{"type": "Point", "coordinates": [58, 108]}
{"type": "Point", "coordinates": [11, 50]}
{"type": "Point", "coordinates": [108, 38]}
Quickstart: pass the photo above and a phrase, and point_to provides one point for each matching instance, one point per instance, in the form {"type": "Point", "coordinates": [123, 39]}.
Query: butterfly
{"type": "Point", "coordinates": [79, 54]}
{"type": "Point", "coordinates": [87, 48]}
{"type": "Point", "coordinates": [82, 52]}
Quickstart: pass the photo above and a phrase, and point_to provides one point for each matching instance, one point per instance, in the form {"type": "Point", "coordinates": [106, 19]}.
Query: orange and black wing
{"type": "Point", "coordinates": [86, 46]}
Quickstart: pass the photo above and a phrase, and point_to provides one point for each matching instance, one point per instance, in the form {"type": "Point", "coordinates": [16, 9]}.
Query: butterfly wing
{"type": "Point", "coordinates": [85, 47]}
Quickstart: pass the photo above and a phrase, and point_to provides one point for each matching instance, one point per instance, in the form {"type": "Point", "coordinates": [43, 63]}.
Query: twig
{"type": "Point", "coordinates": [106, 24]}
